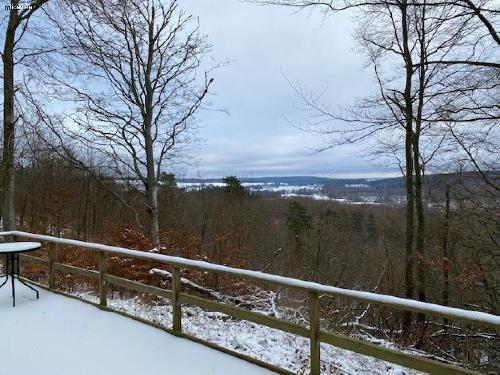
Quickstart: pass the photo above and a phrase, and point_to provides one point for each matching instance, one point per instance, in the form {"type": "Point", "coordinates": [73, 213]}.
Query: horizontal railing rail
{"type": "Point", "coordinates": [314, 290]}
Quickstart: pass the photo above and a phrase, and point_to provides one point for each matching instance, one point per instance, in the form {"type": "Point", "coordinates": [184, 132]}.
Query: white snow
{"type": "Point", "coordinates": [168, 275]}
{"type": "Point", "coordinates": [289, 188]}
{"type": "Point", "coordinates": [252, 186]}
{"type": "Point", "coordinates": [281, 349]}
{"type": "Point", "coordinates": [57, 335]}
{"type": "Point", "coordinates": [357, 185]}
{"type": "Point", "coordinates": [312, 191]}
{"type": "Point", "coordinates": [193, 186]}
{"type": "Point", "coordinates": [13, 247]}
{"type": "Point", "coordinates": [322, 197]}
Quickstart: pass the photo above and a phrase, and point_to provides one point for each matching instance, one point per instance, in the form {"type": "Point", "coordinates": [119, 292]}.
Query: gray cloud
{"type": "Point", "coordinates": [266, 43]}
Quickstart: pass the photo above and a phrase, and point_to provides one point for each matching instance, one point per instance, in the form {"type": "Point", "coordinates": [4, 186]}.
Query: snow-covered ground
{"type": "Point", "coordinates": [321, 197]}
{"type": "Point", "coordinates": [57, 335]}
{"type": "Point", "coordinates": [281, 349]}
{"type": "Point", "coordinates": [253, 186]}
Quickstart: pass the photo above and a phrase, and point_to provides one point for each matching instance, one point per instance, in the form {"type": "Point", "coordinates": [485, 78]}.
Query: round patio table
{"type": "Point", "coordinates": [11, 251]}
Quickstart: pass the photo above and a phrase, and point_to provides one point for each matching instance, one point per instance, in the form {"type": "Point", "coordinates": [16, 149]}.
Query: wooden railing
{"type": "Point", "coordinates": [315, 335]}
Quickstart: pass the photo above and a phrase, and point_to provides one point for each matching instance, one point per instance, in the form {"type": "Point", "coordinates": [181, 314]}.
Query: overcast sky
{"type": "Point", "coordinates": [265, 44]}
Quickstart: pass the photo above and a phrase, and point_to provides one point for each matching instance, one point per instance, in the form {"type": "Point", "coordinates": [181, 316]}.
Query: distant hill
{"type": "Point", "coordinates": [290, 180]}
{"type": "Point", "coordinates": [305, 180]}
{"type": "Point", "coordinates": [345, 186]}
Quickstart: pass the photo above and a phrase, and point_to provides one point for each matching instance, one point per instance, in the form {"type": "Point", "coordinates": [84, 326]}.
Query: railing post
{"type": "Point", "coordinates": [103, 288]}
{"type": "Point", "coordinates": [52, 259]}
{"type": "Point", "coordinates": [176, 288]}
{"type": "Point", "coordinates": [314, 316]}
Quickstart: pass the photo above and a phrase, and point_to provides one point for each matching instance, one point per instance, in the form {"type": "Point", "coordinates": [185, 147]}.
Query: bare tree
{"type": "Point", "coordinates": [13, 53]}
{"type": "Point", "coordinates": [484, 10]}
{"type": "Point", "coordinates": [132, 70]}
{"type": "Point", "coordinates": [424, 55]}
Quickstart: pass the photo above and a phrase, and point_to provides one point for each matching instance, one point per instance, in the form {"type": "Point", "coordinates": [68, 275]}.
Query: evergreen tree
{"type": "Point", "coordinates": [298, 221]}
{"type": "Point", "coordinates": [357, 221]}
{"type": "Point", "coordinates": [370, 227]}
{"type": "Point", "coordinates": [167, 180]}
{"type": "Point", "coordinates": [234, 186]}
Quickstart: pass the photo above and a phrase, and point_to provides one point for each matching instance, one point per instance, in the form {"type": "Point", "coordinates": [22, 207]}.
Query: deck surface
{"type": "Point", "coordinates": [56, 335]}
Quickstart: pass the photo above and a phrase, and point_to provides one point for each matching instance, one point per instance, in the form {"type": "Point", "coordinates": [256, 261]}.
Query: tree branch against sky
{"type": "Point", "coordinates": [427, 57]}
{"type": "Point", "coordinates": [486, 12]}
{"type": "Point", "coordinates": [133, 72]}
{"type": "Point", "coordinates": [16, 27]}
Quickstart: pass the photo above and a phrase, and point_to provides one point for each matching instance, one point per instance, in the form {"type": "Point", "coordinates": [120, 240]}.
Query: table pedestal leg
{"type": "Point", "coordinates": [12, 272]}
{"type": "Point", "coordinates": [22, 282]}
{"type": "Point", "coordinates": [6, 265]}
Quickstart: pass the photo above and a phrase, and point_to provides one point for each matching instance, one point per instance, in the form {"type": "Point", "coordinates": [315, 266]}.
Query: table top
{"type": "Point", "coordinates": [18, 247]}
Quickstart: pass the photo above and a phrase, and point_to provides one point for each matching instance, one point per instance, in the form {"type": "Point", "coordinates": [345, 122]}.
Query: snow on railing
{"type": "Point", "coordinates": [315, 335]}
{"type": "Point", "coordinates": [399, 303]}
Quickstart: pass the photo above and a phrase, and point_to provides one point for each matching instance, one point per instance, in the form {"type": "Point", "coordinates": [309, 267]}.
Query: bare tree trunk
{"type": "Point", "coordinates": [317, 256]}
{"type": "Point", "coordinates": [15, 20]}
{"type": "Point", "coordinates": [446, 262]}
{"type": "Point", "coordinates": [420, 236]}
{"type": "Point", "coordinates": [408, 102]}
{"type": "Point", "coordinates": [7, 176]}
{"type": "Point", "coordinates": [154, 227]}
{"type": "Point", "coordinates": [148, 91]}
{"type": "Point", "coordinates": [152, 180]}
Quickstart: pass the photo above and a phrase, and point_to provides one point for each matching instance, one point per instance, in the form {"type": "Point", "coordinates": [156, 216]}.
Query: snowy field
{"type": "Point", "coordinates": [312, 191]}
{"type": "Point", "coordinates": [57, 335]}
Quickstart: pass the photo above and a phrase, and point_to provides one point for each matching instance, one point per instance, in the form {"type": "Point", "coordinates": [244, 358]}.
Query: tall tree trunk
{"type": "Point", "coordinates": [420, 237]}
{"type": "Point", "coordinates": [409, 285]}
{"type": "Point", "coordinates": [420, 234]}
{"type": "Point", "coordinates": [317, 256]}
{"type": "Point", "coordinates": [9, 131]}
{"type": "Point", "coordinates": [446, 262]}
{"type": "Point", "coordinates": [152, 180]}
{"type": "Point", "coordinates": [154, 227]}
{"type": "Point", "coordinates": [419, 204]}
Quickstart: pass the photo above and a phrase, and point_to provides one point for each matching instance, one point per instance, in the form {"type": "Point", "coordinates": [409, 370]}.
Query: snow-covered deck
{"type": "Point", "coordinates": [57, 335]}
